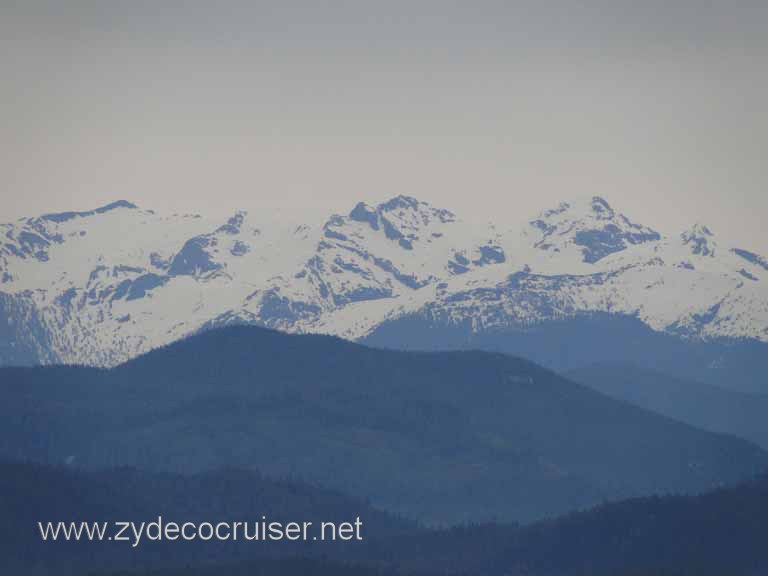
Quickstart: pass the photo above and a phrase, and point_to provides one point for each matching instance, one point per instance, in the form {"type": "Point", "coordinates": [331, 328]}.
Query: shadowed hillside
{"type": "Point", "coordinates": [695, 403]}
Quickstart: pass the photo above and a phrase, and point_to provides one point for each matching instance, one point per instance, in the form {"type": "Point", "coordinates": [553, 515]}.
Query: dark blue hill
{"type": "Point", "coordinates": [588, 339]}
{"type": "Point", "coordinates": [702, 405]}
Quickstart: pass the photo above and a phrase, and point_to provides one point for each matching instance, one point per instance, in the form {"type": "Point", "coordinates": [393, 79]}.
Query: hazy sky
{"type": "Point", "coordinates": [492, 109]}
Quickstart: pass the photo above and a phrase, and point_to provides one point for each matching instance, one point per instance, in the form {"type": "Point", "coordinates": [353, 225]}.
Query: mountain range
{"type": "Point", "coordinates": [103, 286]}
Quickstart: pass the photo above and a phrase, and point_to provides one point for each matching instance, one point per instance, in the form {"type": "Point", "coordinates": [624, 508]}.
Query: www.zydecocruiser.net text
{"type": "Point", "coordinates": [161, 530]}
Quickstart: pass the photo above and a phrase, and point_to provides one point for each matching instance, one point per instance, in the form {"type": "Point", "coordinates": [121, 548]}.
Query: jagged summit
{"type": "Point", "coordinates": [402, 219]}
{"type": "Point", "coordinates": [600, 206]}
{"type": "Point", "coordinates": [388, 250]}
{"type": "Point", "coordinates": [363, 212]}
{"type": "Point", "coordinates": [234, 223]}
{"type": "Point", "coordinates": [701, 229]}
{"type": "Point", "coordinates": [590, 226]}
{"type": "Point", "coordinates": [400, 215]}
{"type": "Point", "coordinates": [700, 239]}
{"type": "Point", "coordinates": [593, 206]}
{"type": "Point", "coordinates": [401, 201]}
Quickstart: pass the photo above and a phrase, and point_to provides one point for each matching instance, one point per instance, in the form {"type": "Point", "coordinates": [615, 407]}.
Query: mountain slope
{"type": "Point", "coordinates": [582, 340]}
{"type": "Point", "coordinates": [102, 286]}
{"type": "Point", "coordinates": [697, 404]}
{"type": "Point", "coordinates": [441, 437]}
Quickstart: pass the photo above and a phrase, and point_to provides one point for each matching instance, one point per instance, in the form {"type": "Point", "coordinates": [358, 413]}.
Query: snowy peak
{"type": "Point", "coordinates": [425, 240]}
{"type": "Point", "coordinates": [701, 240]}
{"type": "Point", "coordinates": [31, 239]}
{"type": "Point", "coordinates": [209, 253]}
{"type": "Point", "coordinates": [590, 227]}
{"type": "Point", "coordinates": [379, 252]}
{"type": "Point", "coordinates": [402, 218]}
{"type": "Point", "coordinates": [196, 257]}
{"type": "Point", "coordinates": [375, 254]}
{"type": "Point", "coordinates": [412, 213]}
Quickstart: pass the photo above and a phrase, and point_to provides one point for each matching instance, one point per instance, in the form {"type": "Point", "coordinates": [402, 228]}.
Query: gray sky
{"type": "Point", "coordinates": [492, 109]}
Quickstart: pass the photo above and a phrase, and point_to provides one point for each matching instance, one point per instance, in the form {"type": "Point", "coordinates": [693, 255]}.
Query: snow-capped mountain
{"type": "Point", "coordinates": [584, 257]}
{"type": "Point", "coordinates": [102, 286]}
